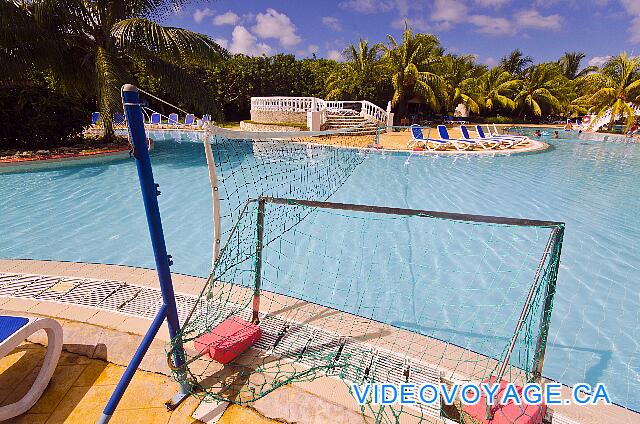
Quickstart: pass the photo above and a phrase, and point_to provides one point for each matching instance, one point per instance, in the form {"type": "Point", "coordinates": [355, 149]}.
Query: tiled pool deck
{"type": "Point", "coordinates": [101, 337]}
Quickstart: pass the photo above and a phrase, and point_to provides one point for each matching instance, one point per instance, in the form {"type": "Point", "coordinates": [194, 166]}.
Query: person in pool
{"type": "Point", "coordinates": [555, 134]}
{"type": "Point", "coordinates": [538, 133]}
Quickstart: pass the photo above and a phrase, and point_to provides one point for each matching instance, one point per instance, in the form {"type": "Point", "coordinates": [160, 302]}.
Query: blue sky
{"type": "Point", "coordinates": [489, 29]}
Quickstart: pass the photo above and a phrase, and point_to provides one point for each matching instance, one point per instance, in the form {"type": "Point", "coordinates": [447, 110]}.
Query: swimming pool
{"type": "Point", "coordinates": [93, 213]}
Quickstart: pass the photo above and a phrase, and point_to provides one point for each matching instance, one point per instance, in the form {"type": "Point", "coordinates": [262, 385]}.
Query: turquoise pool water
{"type": "Point", "coordinates": [93, 213]}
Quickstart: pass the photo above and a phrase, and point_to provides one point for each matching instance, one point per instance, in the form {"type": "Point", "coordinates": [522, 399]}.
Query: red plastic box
{"type": "Point", "coordinates": [505, 414]}
{"type": "Point", "coordinates": [228, 340]}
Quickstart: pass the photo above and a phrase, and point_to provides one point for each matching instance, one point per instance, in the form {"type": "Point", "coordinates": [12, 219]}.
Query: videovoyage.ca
{"type": "Point", "coordinates": [472, 394]}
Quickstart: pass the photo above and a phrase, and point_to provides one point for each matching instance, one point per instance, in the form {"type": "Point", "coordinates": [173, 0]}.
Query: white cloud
{"type": "Point", "coordinates": [242, 41]}
{"type": "Point", "coordinates": [222, 42]}
{"type": "Point", "coordinates": [490, 62]}
{"type": "Point", "coordinates": [598, 60]}
{"type": "Point", "coordinates": [335, 55]}
{"type": "Point", "coordinates": [492, 25]}
{"type": "Point", "coordinates": [491, 3]}
{"type": "Point", "coordinates": [533, 19]}
{"type": "Point", "coordinates": [200, 14]}
{"type": "Point", "coordinates": [273, 24]}
{"type": "Point", "coordinates": [309, 51]}
{"type": "Point", "coordinates": [633, 8]}
{"type": "Point", "coordinates": [447, 13]}
{"type": "Point", "coordinates": [367, 6]}
{"type": "Point", "coordinates": [228, 18]}
{"type": "Point", "coordinates": [332, 22]}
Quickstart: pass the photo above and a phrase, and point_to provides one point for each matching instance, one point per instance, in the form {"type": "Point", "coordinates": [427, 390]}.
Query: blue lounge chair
{"type": "Point", "coordinates": [506, 142]}
{"type": "Point", "coordinates": [458, 143]}
{"type": "Point", "coordinates": [486, 144]}
{"type": "Point", "coordinates": [156, 118]}
{"type": "Point", "coordinates": [189, 119]}
{"type": "Point", "coordinates": [173, 119]}
{"type": "Point", "coordinates": [95, 116]}
{"type": "Point", "coordinates": [206, 118]}
{"type": "Point", "coordinates": [418, 137]}
{"type": "Point", "coordinates": [16, 329]}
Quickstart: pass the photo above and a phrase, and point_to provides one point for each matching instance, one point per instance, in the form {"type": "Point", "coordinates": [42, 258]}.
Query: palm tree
{"type": "Point", "coordinates": [460, 74]}
{"type": "Point", "coordinates": [515, 62]}
{"type": "Point", "coordinates": [496, 87]}
{"type": "Point", "coordinates": [411, 65]}
{"type": "Point", "coordinates": [357, 78]}
{"type": "Point", "coordinates": [570, 64]}
{"type": "Point", "coordinates": [616, 87]}
{"type": "Point", "coordinates": [541, 89]}
{"type": "Point", "coordinates": [91, 47]}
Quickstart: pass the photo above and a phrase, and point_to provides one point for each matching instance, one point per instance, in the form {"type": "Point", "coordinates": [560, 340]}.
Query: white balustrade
{"type": "Point", "coordinates": [313, 104]}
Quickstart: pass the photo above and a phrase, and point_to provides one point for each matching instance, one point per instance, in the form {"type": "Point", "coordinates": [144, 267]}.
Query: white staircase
{"type": "Point", "coordinates": [335, 121]}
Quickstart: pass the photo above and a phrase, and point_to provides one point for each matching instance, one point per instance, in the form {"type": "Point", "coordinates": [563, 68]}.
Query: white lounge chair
{"type": "Point", "coordinates": [430, 144]}
{"type": "Point", "coordinates": [507, 142]}
{"type": "Point", "coordinates": [496, 133]}
{"type": "Point", "coordinates": [14, 330]}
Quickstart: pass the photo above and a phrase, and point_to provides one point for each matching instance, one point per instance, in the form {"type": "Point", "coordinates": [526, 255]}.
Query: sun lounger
{"type": "Point", "coordinates": [189, 119]}
{"type": "Point", "coordinates": [506, 142]}
{"type": "Point", "coordinates": [430, 144]}
{"type": "Point", "coordinates": [486, 144]}
{"type": "Point", "coordinates": [14, 330]}
{"type": "Point", "coordinates": [458, 143]}
{"type": "Point", "coordinates": [496, 133]}
{"type": "Point", "coordinates": [173, 119]}
{"type": "Point", "coordinates": [95, 116]}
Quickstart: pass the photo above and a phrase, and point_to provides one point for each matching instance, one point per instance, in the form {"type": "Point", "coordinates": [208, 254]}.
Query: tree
{"type": "Point", "coordinates": [570, 64]}
{"type": "Point", "coordinates": [495, 88]}
{"type": "Point", "coordinates": [460, 74]}
{"type": "Point", "coordinates": [515, 62]}
{"type": "Point", "coordinates": [616, 87]}
{"type": "Point", "coordinates": [359, 77]}
{"type": "Point", "coordinates": [91, 47]}
{"type": "Point", "coordinates": [541, 89]}
{"type": "Point", "coordinates": [411, 65]}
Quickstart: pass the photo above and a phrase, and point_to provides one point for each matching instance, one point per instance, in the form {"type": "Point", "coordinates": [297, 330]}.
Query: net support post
{"type": "Point", "coordinates": [551, 243]}
{"type": "Point", "coordinates": [131, 369]}
{"type": "Point", "coordinates": [149, 189]}
{"type": "Point", "coordinates": [258, 262]}
{"type": "Point", "coordinates": [215, 199]}
{"type": "Point", "coordinates": [541, 345]}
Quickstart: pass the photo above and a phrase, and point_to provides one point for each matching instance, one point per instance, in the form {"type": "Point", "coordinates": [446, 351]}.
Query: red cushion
{"type": "Point", "coordinates": [228, 340]}
{"type": "Point", "coordinates": [505, 414]}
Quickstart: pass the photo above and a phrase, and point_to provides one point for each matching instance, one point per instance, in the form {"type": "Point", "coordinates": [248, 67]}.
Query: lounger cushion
{"type": "Point", "coordinates": [9, 325]}
{"type": "Point", "coordinates": [510, 413]}
{"type": "Point", "coordinates": [228, 340]}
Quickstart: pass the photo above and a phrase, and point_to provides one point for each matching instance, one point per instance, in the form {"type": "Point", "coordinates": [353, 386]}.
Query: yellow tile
{"type": "Point", "coordinates": [62, 380]}
{"type": "Point", "coordinates": [29, 418]}
{"type": "Point", "coordinates": [183, 413]}
{"type": "Point", "coordinates": [100, 373]}
{"type": "Point", "coordinates": [148, 389]}
{"type": "Point", "coordinates": [81, 405]}
{"type": "Point", "coordinates": [141, 416]}
{"type": "Point", "coordinates": [238, 414]}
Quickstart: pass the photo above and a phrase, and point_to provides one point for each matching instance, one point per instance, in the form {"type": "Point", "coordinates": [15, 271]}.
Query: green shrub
{"type": "Point", "coordinates": [35, 117]}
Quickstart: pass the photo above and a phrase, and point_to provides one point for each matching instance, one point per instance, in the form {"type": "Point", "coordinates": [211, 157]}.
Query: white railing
{"type": "Point", "coordinates": [287, 104]}
{"type": "Point", "coordinates": [371, 111]}
{"type": "Point", "coordinates": [313, 104]}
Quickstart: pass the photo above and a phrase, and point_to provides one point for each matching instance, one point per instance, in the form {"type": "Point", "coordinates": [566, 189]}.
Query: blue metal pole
{"type": "Point", "coordinates": [150, 193]}
{"type": "Point", "coordinates": [133, 366]}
